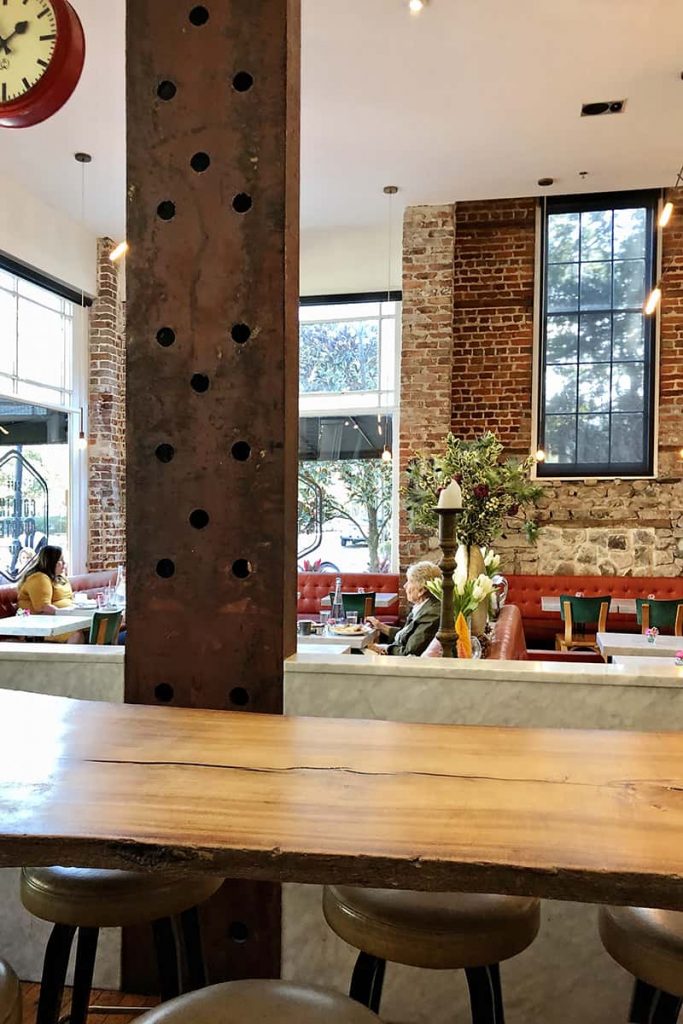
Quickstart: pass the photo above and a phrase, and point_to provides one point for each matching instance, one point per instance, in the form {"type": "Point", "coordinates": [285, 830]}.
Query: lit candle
{"type": "Point", "coordinates": [451, 496]}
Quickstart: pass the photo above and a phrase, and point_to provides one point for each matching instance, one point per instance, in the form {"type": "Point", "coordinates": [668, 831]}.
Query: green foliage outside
{"type": "Point", "coordinates": [494, 492]}
{"type": "Point", "coordinates": [338, 357]}
{"type": "Point", "coordinates": [358, 491]}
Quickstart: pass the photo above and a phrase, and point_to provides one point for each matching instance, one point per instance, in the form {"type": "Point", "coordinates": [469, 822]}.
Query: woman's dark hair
{"type": "Point", "coordinates": [46, 562]}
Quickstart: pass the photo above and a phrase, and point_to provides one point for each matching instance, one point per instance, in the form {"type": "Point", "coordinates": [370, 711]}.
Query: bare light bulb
{"type": "Point", "coordinates": [386, 455]}
{"type": "Point", "coordinates": [416, 6]}
{"type": "Point", "coordinates": [653, 300]}
{"type": "Point", "coordinates": [120, 250]}
{"type": "Point", "coordinates": [539, 455]}
{"type": "Point", "coordinates": [82, 441]}
{"type": "Point", "coordinates": [665, 215]}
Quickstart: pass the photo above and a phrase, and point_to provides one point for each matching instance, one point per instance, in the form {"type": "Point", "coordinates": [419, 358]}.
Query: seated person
{"type": "Point", "coordinates": [44, 588]}
{"type": "Point", "coordinates": [423, 619]}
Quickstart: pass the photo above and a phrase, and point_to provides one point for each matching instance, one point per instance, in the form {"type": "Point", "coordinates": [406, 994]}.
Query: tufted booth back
{"type": "Point", "coordinates": [313, 586]}
{"type": "Point", "coordinates": [90, 582]}
{"type": "Point", "coordinates": [526, 592]}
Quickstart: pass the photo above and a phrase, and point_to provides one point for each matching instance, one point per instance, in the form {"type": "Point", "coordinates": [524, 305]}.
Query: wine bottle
{"type": "Point", "coordinates": [338, 603]}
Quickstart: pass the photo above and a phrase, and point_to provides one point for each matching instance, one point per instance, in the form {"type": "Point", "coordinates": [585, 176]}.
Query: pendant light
{"type": "Point", "coordinates": [389, 191]}
{"type": "Point", "coordinates": [83, 159]}
{"type": "Point", "coordinates": [654, 299]}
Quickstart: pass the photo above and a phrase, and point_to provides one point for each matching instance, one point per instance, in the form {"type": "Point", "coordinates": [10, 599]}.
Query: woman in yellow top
{"type": "Point", "coordinates": [45, 588]}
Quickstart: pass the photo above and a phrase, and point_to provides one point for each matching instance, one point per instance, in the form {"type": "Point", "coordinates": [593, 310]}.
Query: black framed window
{"type": "Point", "coordinates": [596, 408]}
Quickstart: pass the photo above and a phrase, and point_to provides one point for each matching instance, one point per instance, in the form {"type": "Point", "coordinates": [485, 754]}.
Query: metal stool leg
{"type": "Point", "coordinates": [54, 973]}
{"type": "Point", "coordinates": [194, 953]}
{"type": "Point", "coordinates": [641, 1002]}
{"type": "Point", "coordinates": [86, 951]}
{"type": "Point", "coordinates": [486, 997]}
{"type": "Point", "coordinates": [665, 1008]}
{"type": "Point", "coordinates": [367, 981]}
{"type": "Point", "coordinates": [167, 958]}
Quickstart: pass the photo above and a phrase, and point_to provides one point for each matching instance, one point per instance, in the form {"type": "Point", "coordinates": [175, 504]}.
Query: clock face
{"type": "Point", "coordinates": [28, 37]}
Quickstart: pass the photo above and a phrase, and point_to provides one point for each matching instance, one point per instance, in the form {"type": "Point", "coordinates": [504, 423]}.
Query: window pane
{"type": "Point", "coordinates": [560, 439]}
{"type": "Point", "coordinates": [41, 344]}
{"type": "Point", "coordinates": [561, 339]}
{"type": "Point", "coordinates": [560, 389]}
{"type": "Point", "coordinates": [593, 439]}
{"type": "Point", "coordinates": [37, 294]}
{"type": "Point", "coordinates": [629, 342]}
{"type": "Point", "coordinates": [629, 233]}
{"type": "Point", "coordinates": [627, 438]}
{"type": "Point", "coordinates": [339, 356]}
{"type": "Point", "coordinates": [563, 237]}
{"type": "Point", "coordinates": [596, 235]}
{"type": "Point", "coordinates": [596, 285]}
{"type": "Point", "coordinates": [563, 287]}
{"type": "Point", "coordinates": [8, 331]}
{"type": "Point", "coordinates": [596, 341]}
{"type": "Point", "coordinates": [629, 284]}
{"type": "Point", "coordinates": [594, 388]}
{"type": "Point", "coordinates": [628, 387]}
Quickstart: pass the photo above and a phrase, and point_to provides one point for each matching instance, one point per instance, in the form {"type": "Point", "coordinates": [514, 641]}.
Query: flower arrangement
{"type": "Point", "coordinates": [678, 660]}
{"type": "Point", "coordinates": [493, 490]}
{"type": "Point", "coordinates": [652, 633]}
{"type": "Point", "coordinates": [491, 562]}
{"type": "Point", "coordinates": [467, 594]}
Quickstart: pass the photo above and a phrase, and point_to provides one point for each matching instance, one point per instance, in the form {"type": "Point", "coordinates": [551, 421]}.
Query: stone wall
{"type": "Point", "coordinates": [624, 527]}
{"type": "Point", "coordinates": [106, 418]}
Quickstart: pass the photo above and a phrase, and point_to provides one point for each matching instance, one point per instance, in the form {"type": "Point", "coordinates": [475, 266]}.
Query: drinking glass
{"type": "Point", "coordinates": [352, 618]}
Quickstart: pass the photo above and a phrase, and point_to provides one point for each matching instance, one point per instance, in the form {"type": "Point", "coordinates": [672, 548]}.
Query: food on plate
{"type": "Point", "coordinates": [354, 630]}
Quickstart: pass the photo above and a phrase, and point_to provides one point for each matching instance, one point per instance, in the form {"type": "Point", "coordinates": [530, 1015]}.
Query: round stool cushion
{"type": "Point", "coordinates": [648, 943]}
{"type": "Point", "coordinates": [259, 1002]}
{"type": "Point", "coordinates": [443, 931]}
{"type": "Point", "coordinates": [90, 898]}
{"type": "Point", "coordinates": [10, 995]}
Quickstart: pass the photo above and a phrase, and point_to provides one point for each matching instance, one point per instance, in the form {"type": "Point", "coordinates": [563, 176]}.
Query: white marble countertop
{"type": "Point", "coordinates": [62, 653]}
{"type": "Point", "coordinates": [44, 625]}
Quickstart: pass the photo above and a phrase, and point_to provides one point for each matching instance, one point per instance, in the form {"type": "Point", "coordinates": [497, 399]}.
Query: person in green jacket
{"type": "Point", "coordinates": [423, 618]}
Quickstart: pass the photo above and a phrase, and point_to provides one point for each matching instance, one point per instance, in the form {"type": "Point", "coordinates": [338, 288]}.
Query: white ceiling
{"type": "Point", "coordinates": [471, 99]}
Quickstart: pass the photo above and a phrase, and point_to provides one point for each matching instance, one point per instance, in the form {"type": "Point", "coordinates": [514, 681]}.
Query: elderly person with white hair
{"type": "Point", "coordinates": [422, 623]}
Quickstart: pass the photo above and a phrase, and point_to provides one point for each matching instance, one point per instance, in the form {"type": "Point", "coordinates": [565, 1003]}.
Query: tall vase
{"type": "Point", "coordinates": [475, 567]}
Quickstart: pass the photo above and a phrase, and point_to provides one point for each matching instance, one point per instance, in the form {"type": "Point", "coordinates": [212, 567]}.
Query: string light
{"type": "Point", "coordinates": [120, 250]}
{"type": "Point", "coordinates": [539, 455]}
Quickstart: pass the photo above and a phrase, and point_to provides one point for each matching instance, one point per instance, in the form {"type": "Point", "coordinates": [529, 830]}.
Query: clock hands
{"type": "Point", "coordinates": [19, 29]}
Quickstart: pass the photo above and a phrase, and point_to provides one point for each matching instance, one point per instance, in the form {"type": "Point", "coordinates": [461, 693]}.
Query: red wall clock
{"type": "Point", "coordinates": [42, 51]}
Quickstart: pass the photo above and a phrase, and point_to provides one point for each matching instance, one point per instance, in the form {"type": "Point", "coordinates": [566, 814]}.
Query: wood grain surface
{"type": "Point", "coordinates": [595, 816]}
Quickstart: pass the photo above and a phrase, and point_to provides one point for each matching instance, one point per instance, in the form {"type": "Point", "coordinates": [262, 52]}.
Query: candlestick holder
{"type": "Point", "coordinates": [448, 541]}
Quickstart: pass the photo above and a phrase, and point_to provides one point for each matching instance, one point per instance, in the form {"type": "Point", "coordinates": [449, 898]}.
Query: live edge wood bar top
{"type": "Point", "coordinates": [595, 816]}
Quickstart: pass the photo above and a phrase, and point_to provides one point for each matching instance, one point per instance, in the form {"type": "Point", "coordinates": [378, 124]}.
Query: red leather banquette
{"type": "Point", "coordinates": [90, 582]}
{"type": "Point", "coordinates": [313, 586]}
{"type": "Point", "coordinates": [540, 627]}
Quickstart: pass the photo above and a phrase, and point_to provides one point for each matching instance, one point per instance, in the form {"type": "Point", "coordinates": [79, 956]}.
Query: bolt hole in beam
{"type": "Point", "coordinates": [199, 383]}
{"type": "Point", "coordinates": [165, 452]}
{"type": "Point", "coordinates": [238, 931]}
{"type": "Point", "coordinates": [165, 568]}
{"type": "Point", "coordinates": [165, 336]}
{"type": "Point", "coordinates": [241, 568]}
{"type": "Point", "coordinates": [242, 202]}
{"type": "Point", "coordinates": [200, 162]}
{"type": "Point", "coordinates": [242, 81]}
{"type": "Point", "coordinates": [239, 696]}
{"type": "Point", "coordinates": [166, 210]}
{"type": "Point", "coordinates": [240, 451]}
{"type": "Point", "coordinates": [240, 333]}
{"type": "Point", "coordinates": [164, 692]}
{"type": "Point", "coordinates": [199, 519]}
{"type": "Point", "coordinates": [166, 90]}
{"type": "Point", "coordinates": [199, 15]}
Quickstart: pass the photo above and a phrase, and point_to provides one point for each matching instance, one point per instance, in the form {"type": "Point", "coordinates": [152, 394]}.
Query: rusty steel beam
{"type": "Point", "coordinates": [212, 384]}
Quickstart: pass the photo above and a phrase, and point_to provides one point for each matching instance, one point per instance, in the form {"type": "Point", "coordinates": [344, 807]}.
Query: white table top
{"type": "Point", "coordinates": [630, 661]}
{"type": "Point", "coordinates": [44, 625]}
{"type": "Point", "coordinates": [637, 645]}
{"type": "Point", "coordinates": [356, 642]}
{"type": "Point", "coordinates": [90, 610]}
{"type": "Point", "coordinates": [381, 600]}
{"type": "Point", "coordinates": [321, 650]}
{"type": "Point", "coordinates": [623, 605]}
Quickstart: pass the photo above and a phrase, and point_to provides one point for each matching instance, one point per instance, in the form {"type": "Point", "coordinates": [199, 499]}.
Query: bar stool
{"type": "Point", "coordinates": [441, 931]}
{"type": "Point", "coordinates": [649, 945]}
{"type": "Point", "coordinates": [259, 1002]}
{"type": "Point", "coordinates": [84, 900]}
{"type": "Point", "coordinates": [10, 995]}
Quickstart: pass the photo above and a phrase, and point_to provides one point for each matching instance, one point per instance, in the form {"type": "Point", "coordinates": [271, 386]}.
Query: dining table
{"type": "Point", "coordinates": [638, 646]}
{"type": "Point", "coordinates": [43, 627]}
{"type": "Point", "coordinates": [620, 605]}
{"type": "Point", "coordinates": [355, 641]}
{"type": "Point", "coordinates": [588, 815]}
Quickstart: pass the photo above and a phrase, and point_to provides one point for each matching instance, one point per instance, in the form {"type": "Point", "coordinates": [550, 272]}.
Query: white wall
{"type": "Point", "coordinates": [44, 238]}
{"type": "Point", "coordinates": [343, 260]}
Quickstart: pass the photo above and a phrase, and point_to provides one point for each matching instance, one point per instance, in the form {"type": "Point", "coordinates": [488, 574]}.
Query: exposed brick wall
{"type": "Point", "coordinates": [107, 418]}
{"type": "Point", "coordinates": [427, 339]}
{"type": "Point", "coordinates": [601, 526]}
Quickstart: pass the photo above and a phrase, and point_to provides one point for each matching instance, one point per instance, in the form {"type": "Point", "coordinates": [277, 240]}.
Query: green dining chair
{"type": "Point", "coordinates": [581, 612]}
{"type": "Point", "coordinates": [105, 627]}
{"type": "Point", "coordinates": [363, 604]}
{"type": "Point", "coordinates": [662, 614]}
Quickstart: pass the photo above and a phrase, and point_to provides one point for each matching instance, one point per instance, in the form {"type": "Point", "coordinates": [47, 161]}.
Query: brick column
{"type": "Point", "coordinates": [427, 343]}
{"type": "Point", "coordinates": [106, 418]}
